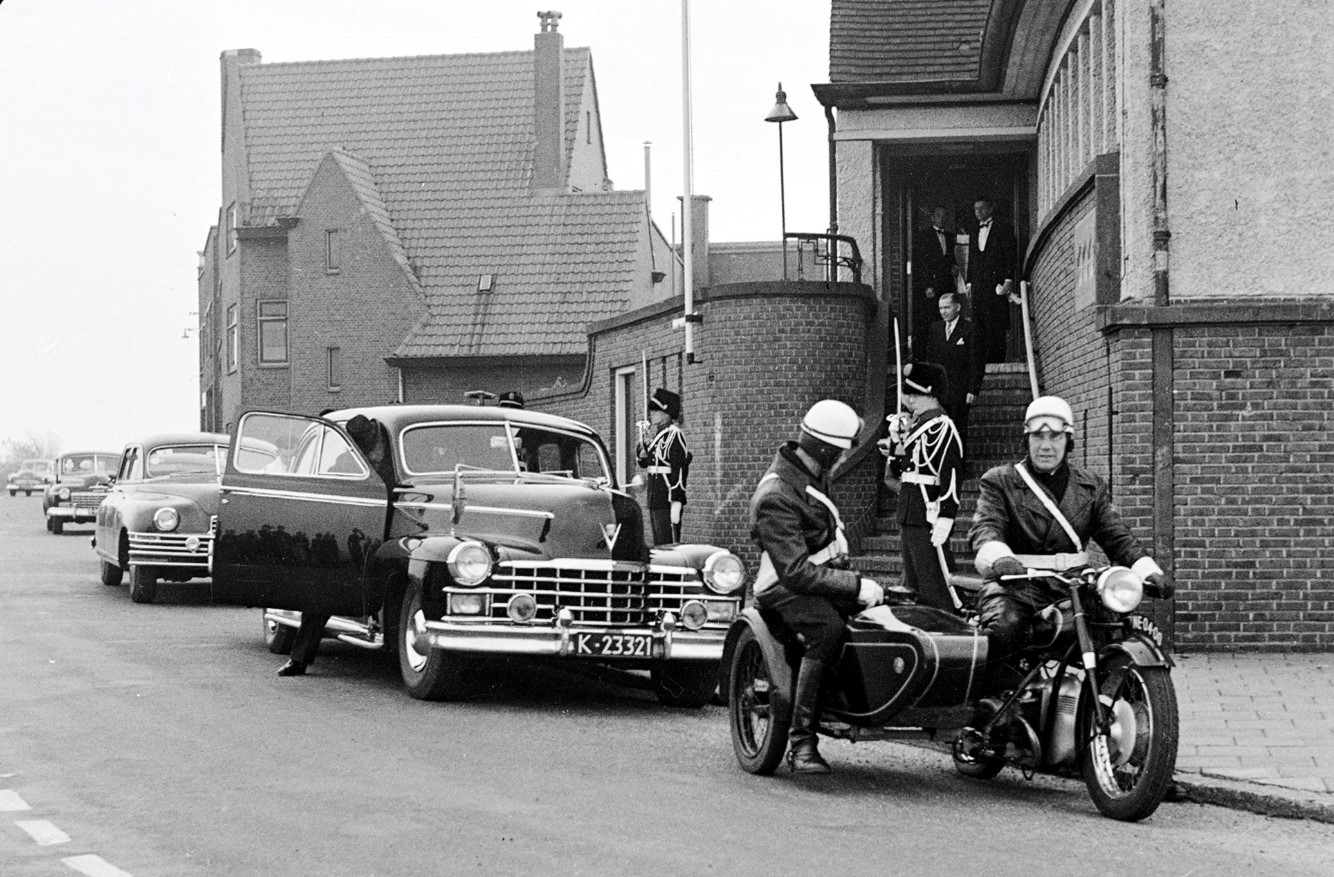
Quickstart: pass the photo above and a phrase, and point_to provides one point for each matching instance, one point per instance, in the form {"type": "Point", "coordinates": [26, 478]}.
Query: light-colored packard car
{"type": "Point", "coordinates": [81, 482]}
{"type": "Point", "coordinates": [448, 533]}
{"type": "Point", "coordinates": [31, 475]}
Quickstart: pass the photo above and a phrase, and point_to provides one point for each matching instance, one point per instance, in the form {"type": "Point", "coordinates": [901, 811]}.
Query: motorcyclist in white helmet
{"type": "Point", "coordinates": [804, 585]}
{"type": "Point", "coordinates": [1041, 513]}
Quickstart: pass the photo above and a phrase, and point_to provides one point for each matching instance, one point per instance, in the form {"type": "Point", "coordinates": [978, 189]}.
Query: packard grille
{"type": "Point", "coordinates": [596, 592]}
{"type": "Point", "coordinates": [87, 500]}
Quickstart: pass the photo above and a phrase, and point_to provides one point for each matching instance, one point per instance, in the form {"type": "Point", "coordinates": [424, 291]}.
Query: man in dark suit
{"type": "Point", "coordinates": [992, 254]}
{"type": "Point", "coordinates": [933, 272]}
{"type": "Point", "coordinates": [952, 343]}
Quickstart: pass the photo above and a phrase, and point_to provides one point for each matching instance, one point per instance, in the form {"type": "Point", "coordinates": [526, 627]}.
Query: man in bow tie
{"type": "Point", "coordinates": [992, 254]}
{"type": "Point", "coordinates": [933, 271]}
{"type": "Point", "coordinates": [952, 343]}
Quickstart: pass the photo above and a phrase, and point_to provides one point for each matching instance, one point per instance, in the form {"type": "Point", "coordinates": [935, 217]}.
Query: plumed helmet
{"type": "Point", "coordinates": [1049, 412]}
{"type": "Point", "coordinates": [833, 423]}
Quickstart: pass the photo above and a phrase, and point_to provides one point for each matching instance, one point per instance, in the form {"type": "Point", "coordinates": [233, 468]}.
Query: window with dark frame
{"type": "Point", "coordinates": [272, 319]}
{"type": "Point", "coordinates": [331, 263]}
{"type": "Point", "coordinates": [233, 345]}
{"type": "Point", "coordinates": [335, 369]}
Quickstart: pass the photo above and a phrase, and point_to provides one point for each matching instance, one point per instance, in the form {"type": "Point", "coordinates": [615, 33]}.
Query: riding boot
{"type": "Point", "coordinates": [803, 755]}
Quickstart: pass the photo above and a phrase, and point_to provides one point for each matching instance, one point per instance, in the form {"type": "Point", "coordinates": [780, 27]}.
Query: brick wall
{"type": "Point", "coordinates": [766, 352]}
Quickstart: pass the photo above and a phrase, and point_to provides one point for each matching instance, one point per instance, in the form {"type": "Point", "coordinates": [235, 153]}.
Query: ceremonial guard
{"type": "Point", "coordinates": [805, 584]}
{"type": "Point", "coordinates": [925, 458]}
{"type": "Point", "coordinates": [663, 454]}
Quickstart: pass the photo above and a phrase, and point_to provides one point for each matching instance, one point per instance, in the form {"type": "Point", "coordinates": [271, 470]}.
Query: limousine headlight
{"type": "Point", "coordinates": [724, 572]}
{"type": "Point", "coordinates": [469, 564]}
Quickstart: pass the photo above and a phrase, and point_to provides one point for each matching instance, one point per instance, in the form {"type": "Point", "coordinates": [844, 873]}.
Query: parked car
{"type": "Point", "coordinates": [158, 519]}
{"type": "Point", "coordinates": [31, 475]}
{"type": "Point", "coordinates": [486, 531]}
{"type": "Point", "coordinates": [81, 481]}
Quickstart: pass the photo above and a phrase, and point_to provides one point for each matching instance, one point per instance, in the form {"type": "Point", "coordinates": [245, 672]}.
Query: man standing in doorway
{"type": "Point", "coordinates": [952, 343]}
{"type": "Point", "coordinates": [933, 271]}
{"type": "Point", "coordinates": [992, 253]}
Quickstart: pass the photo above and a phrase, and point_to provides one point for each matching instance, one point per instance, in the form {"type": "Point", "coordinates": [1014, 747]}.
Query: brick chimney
{"type": "Point", "coordinates": [549, 103]}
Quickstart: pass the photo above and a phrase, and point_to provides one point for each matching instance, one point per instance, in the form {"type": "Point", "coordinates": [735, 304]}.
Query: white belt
{"type": "Point", "coordinates": [660, 470]}
{"type": "Point", "coordinates": [1053, 561]}
{"type": "Point", "coordinates": [919, 478]}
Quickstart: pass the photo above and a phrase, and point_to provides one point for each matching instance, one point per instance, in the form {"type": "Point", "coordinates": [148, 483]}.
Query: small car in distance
{"type": "Point", "coordinates": [31, 475]}
{"type": "Point", "coordinates": [157, 522]}
{"type": "Point", "coordinates": [81, 481]}
{"type": "Point", "coordinates": [448, 533]}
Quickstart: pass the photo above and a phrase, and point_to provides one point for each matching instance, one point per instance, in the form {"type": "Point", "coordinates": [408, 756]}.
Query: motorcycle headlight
{"type": "Point", "coordinates": [724, 572]}
{"type": "Point", "coordinates": [469, 564]}
{"type": "Point", "coordinates": [166, 519]}
{"type": "Point", "coordinates": [1120, 589]}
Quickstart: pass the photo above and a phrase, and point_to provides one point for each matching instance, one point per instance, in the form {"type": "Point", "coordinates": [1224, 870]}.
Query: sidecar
{"type": "Point", "coordinates": [903, 670]}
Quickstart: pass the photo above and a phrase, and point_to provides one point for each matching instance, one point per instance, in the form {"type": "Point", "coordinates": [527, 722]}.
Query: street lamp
{"type": "Point", "coordinates": [781, 113]}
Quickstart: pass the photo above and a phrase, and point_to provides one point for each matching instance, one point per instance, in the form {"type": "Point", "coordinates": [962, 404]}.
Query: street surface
{"type": "Point", "coordinates": [157, 741]}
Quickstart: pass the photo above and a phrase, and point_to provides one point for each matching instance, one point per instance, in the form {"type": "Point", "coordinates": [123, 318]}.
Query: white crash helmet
{"type": "Point", "coordinates": [1049, 412]}
{"type": "Point", "coordinates": [832, 422]}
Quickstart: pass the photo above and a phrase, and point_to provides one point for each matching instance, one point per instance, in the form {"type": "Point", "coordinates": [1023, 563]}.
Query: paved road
{"type": "Point", "coordinates": [158, 741]}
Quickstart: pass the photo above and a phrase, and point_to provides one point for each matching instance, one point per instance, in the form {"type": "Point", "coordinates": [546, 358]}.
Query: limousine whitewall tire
{"type": "Point", "coordinates": [428, 674]}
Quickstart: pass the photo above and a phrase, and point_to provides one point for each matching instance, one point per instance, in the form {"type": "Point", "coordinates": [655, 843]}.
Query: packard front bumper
{"type": "Point", "coordinates": [662, 641]}
{"type": "Point", "coordinates": [78, 514]}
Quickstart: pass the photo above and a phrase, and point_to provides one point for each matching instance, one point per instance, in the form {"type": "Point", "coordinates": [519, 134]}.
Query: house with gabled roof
{"type": "Point", "coordinates": [406, 229]}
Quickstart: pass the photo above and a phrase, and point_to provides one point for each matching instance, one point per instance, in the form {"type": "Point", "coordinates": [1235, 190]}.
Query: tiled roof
{"type": "Point", "coordinates": [444, 121]}
{"type": "Point", "coordinates": [906, 40]}
{"type": "Point", "coordinates": [560, 262]}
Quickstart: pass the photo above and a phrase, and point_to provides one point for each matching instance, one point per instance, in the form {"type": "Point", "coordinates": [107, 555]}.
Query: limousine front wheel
{"type": "Point", "coordinates": [429, 674]}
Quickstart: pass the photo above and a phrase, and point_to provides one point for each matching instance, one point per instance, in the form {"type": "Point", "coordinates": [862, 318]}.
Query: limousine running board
{"type": "Point", "coordinates": [346, 630]}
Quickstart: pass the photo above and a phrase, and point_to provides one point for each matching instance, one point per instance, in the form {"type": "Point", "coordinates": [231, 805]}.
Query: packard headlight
{"type": "Point", "coordinates": [469, 564]}
{"type": "Point", "coordinates": [166, 519]}
{"type": "Point", "coordinates": [63, 494]}
{"type": "Point", "coordinates": [1120, 589]}
{"type": "Point", "coordinates": [724, 573]}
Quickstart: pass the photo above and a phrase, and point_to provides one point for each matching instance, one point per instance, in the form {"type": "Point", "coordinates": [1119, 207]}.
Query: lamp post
{"type": "Point", "coordinates": [781, 113]}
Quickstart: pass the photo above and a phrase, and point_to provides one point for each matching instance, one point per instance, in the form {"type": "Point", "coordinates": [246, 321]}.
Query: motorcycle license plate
{"type": "Point", "coordinates": [613, 645]}
{"type": "Point", "coordinates": [1144, 624]}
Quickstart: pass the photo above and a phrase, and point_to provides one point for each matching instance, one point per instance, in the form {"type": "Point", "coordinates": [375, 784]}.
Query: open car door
{"type": "Point", "coordinates": [302, 512]}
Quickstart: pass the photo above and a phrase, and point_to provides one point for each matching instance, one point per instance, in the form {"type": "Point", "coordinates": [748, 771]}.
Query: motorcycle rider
{"type": "Point", "coordinates": [1041, 513]}
{"type": "Point", "coordinates": [804, 577]}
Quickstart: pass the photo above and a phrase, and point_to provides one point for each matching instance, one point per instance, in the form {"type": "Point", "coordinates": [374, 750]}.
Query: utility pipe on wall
{"type": "Point", "coordinates": [688, 202]}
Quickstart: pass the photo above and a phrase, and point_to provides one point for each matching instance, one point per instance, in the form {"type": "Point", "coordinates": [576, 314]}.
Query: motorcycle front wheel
{"type": "Point", "coordinates": [759, 728]}
{"type": "Point", "coordinates": [1127, 770]}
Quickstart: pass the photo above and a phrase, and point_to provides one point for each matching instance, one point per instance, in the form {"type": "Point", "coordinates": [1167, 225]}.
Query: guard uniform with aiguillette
{"type": "Point", "coordinates": [804, 586]}
{"type": "Point", "coordinates": [666, 460]}
{"type": "Point", "coordinates": [926, 459]}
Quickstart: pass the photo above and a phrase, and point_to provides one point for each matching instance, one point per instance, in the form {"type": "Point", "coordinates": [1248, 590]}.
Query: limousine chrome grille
{"type": "Point", "coordinates": [596, 592]}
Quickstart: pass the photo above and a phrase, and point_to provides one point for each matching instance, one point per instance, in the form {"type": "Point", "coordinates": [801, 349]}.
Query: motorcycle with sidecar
{"type": "Point", "coordinates": [1091, 693]}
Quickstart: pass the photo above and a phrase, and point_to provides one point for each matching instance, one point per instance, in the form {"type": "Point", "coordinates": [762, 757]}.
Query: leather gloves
{"type": "Point", "coordinates": [940, 531]}
{"type": "Point", "coordinates": [1159, 585]}
{"type": "Point", "coordinates": [1008, 566]}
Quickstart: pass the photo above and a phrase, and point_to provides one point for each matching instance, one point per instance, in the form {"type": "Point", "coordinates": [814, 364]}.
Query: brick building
{"type": "Point", "coordinates": [1167, 169]}
{"type": "Point", "coordinates": [411, 228]}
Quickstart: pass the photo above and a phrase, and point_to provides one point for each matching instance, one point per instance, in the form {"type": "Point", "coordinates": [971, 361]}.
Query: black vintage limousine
{"type": "Point", "coordinates": [485, 531]}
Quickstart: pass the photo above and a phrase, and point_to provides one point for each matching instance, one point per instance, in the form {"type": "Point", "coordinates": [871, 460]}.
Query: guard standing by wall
{"type": "Point", "coordinates": [925, 459]}
{"type": "Point", "coordinates": [663, 454]}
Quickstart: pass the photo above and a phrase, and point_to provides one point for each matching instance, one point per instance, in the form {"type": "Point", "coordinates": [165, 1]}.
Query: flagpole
{"type": "Point", "coordinates": [687, 202]}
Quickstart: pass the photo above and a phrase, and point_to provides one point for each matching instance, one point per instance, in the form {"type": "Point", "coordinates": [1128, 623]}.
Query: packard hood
{"type": "Point", "coordinates": [531, 519]}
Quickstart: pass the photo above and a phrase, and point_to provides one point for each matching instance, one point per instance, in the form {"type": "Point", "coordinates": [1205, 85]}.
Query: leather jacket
{"type": "Point", "coordinates": [1010, 514]}
{"type": "Point", "coordinates": [790, 525]}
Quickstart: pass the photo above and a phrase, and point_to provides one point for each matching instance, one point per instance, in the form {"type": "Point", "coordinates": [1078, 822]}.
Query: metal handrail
{"type": "Point", "coordinates": [831, 256]}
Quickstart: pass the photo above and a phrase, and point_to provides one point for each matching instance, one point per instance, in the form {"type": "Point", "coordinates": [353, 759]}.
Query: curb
{"type": "Point", "coordinates": [1252, 797]}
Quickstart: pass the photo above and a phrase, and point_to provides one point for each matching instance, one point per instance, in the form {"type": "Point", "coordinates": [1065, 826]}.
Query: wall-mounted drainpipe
{"type": "Point", "coordinates": [1158, 109]}
{"type": "Point", "coordinates": [833, 189]}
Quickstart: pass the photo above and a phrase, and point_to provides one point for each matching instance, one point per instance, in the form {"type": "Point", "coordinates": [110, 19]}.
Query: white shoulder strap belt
{"type": "Point", "coordinates": [1055, 512]}
{"type": "Point", "coordinates": [767, 576]}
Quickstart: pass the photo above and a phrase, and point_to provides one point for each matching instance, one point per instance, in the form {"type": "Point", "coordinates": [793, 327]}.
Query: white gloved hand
{"type": "Point", "coordinates": [940, 531]}
{"type": "Point", "coordinates": [900, 425]}
{"type": "Point", "coordinates": [871, 594]}
{"type": "Point", "coordinates": [676, 512]}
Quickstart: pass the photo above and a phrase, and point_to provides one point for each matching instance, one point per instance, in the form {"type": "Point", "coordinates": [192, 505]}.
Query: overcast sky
{"type": "Point", "coordinates": [110, 173]}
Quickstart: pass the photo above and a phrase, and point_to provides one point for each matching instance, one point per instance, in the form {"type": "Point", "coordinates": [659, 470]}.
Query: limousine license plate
{"type": "Point", "coordinates": [613, 645]}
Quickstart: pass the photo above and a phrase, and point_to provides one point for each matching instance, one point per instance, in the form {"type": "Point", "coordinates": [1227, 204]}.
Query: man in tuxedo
{"type": "Point", "coordinates": [952, 343]}
{"type": "Point", "coordinates": [992, 254]}
{"type": "Point", "coordinates": [933, 272]}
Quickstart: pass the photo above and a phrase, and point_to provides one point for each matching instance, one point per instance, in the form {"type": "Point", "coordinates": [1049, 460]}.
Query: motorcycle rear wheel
{"type": "Point", "coordinates": [759, 728]}
{"type": "Point", "coordinates": [1127, 772]}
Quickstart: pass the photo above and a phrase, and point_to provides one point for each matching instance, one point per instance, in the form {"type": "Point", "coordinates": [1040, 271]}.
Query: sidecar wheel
{"type": "Point", "coordinates": [1128, 771]}
{"type": "Point", "coordinates": [759, 731]}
